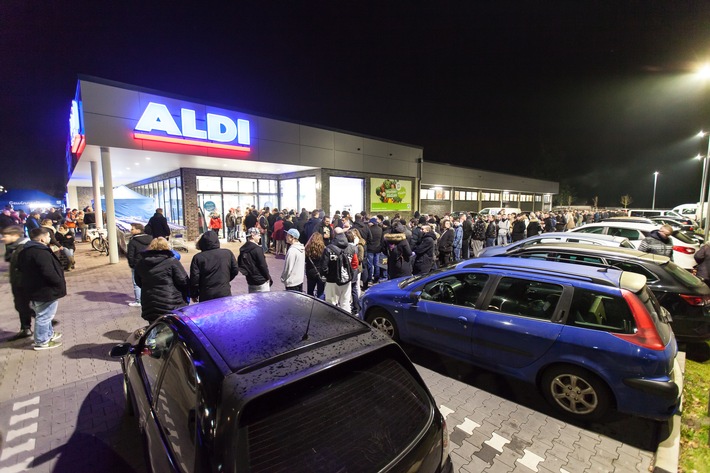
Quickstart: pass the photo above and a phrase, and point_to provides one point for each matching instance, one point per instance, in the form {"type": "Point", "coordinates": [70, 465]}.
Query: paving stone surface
{"type": "Point", "coordinates": [62, 410]}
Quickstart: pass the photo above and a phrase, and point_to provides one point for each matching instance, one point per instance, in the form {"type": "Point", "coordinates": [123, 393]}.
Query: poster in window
{"type": "Point", "coordinates": [389, 195]}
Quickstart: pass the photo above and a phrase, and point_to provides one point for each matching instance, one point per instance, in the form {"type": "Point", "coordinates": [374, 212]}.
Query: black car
{"type": "Point", "coordinates": [278, 382]}
{"type": "Point", "coordinates": [686, 297]}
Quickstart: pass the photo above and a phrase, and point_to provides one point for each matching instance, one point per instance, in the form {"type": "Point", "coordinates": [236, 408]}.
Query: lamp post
{"type": "Point", "coordinates": [655, 181]}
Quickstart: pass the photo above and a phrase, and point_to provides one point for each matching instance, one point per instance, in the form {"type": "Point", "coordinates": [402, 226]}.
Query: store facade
{"type": "Point", "coordinates": [195, 158]}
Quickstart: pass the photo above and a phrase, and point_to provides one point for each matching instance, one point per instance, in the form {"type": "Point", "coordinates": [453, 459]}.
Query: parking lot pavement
{"type": "Point", "coordinates": [62, 410]}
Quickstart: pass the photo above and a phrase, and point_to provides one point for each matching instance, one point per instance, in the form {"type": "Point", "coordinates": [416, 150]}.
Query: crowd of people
{"type": "Point", "coordinates": [337, 258]}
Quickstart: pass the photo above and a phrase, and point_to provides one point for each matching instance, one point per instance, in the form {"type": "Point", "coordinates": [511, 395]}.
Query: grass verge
{"type": "Point", "coordinates": [695, 423]}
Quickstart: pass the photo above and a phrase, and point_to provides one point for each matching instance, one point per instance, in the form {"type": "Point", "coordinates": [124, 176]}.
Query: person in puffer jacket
{"type": "Point", "coordinates": [399, 254]}
{"type": "Point", "coordinates": [163, 281]}
{"type": "Point", "coordinates": [211, 270]}
{"type": "Point", "coordinates": [659, 242]}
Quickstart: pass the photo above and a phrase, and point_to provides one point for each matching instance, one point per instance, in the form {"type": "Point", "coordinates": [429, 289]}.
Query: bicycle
{"type": "Point", "coordinates": [100, 243]}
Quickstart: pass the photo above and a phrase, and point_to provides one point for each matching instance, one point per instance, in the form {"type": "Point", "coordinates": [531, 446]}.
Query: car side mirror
{"type": "Point", "coordinates": [121, 350]}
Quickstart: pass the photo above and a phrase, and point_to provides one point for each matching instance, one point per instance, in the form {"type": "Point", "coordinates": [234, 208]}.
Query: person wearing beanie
{"type": "Point", "coordinates": [211, 269]}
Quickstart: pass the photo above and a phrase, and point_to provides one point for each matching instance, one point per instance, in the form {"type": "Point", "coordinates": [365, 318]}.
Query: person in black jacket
{"type": "Point", "coordinates": [252, 263]}
{"type": "Point", "coordinates": [163, 281]}
{"type": "Point", "coordinates": [15, 240]}
{"type": "Point", "coordinates": [445, 243]}
{"type": "Point", "coordinates": [424, 251]}
{"type": "Point", "coordinates": [42, 279]}
{"type": "Point", "coordinates": [398, 252]}
{"type": "Point", "coordinates": [211, 270]}
{"type": "Point", "coordinates": [467, 226]}
{"type": "Point", "coordinates": [159, 225]}
{"type": "Point", "coordinates": [534, 226]}
{"type": "Point", "coordinates": [374, 246]}
{"type": "Point", "coordinates": [136, 245]}
{"type": "Point", "coordinates": [518, 232]}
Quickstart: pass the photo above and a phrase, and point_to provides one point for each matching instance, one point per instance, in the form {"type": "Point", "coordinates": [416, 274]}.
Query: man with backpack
{"type": "Point", "coordinates": [338, 264]}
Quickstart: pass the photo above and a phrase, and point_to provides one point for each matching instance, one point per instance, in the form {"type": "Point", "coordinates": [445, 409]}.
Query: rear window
{"type": "Point", "coordinates": [348, 421]}
{"type": "Point", "coordinates": [682, 275]}
{"type": "Point", "coordinates": [683, 237]}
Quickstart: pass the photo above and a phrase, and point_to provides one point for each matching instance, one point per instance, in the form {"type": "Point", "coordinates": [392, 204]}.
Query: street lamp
{"type": "Point", "coordinates": [655, 181]}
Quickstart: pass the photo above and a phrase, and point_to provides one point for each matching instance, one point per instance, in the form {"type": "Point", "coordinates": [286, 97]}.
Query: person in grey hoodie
{"type": "Point", "coordinates": [295, 264]}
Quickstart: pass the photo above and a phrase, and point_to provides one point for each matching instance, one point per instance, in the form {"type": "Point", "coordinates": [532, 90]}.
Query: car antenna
{"type": "Point", "coordinates": [308, 326]}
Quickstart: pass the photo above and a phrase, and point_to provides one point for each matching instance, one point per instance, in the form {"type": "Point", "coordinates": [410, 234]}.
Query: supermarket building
{"type": "Point", "coordinates": [189, 155]}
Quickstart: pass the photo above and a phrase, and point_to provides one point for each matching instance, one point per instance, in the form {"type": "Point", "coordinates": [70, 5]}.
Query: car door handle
{"type": "Point", "coordinates": [462, 320]}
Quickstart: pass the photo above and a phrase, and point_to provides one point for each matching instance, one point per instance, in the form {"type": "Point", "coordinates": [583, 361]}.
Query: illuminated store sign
{"type": "Point", "coordinates": [217, 131]}
{"type": "Point", "coordinates": [77, 140]}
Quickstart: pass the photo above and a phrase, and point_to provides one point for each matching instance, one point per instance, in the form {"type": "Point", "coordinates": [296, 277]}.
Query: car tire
{"type": "Point", "coordinates": [384, 322]}
{"type": "Point", "coordinates": [576, 392]}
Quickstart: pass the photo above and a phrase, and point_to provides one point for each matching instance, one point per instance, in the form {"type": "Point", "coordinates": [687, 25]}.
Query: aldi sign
{"type": "Point", "coordinates": [157, 123]}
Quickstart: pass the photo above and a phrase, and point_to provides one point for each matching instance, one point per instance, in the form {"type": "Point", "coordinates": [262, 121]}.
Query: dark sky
{"type": "Point", "coordinates": [597, 95]}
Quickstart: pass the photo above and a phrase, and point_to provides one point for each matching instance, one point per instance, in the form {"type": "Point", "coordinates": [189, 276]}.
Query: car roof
{"type": "Point", "coordinates": [605, 276]}
{"type": "Point", "coordinates": [589, 236]}
{"type": "Point", "coordinates": [621, 224]}
{"type": "Point", "coordinates": [249, 329]}
{"type": "Point", "coordinates": [581, 248]}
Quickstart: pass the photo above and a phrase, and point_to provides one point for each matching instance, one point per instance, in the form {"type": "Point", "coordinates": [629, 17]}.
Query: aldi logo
{"type": "Point", "coordinates": [212, 131]}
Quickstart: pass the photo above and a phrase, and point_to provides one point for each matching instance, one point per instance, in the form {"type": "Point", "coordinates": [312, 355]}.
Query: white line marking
{"type": "Point", "coordinates": [468, 425]}
{"type": "Point", "coordinates": [27, 415]}
{"type": "Point", "coordinates": [7, 452]}
{"type": "Point", "coordinates": [445, 411]}
{"type": "Point", "coordinates": [497, 442]}
{"type": "Point", "coordinates": [13, 434]}
{"type": "Point", "coordinates": [29, 402]}
{"type": "Point", "coordinates": [530, 460]}
{"type": "Point", "coordinates": [18, 467]}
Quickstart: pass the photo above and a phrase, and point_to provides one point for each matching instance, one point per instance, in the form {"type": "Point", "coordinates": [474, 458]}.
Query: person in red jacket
{"type": "Point", "coordinates": [215, 222]}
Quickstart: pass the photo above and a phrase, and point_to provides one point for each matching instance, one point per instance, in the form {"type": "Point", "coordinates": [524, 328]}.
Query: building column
{"type": "Point", "coordinates": [110, 207]}
{"type": "Point", "coordinates": [96, 184]}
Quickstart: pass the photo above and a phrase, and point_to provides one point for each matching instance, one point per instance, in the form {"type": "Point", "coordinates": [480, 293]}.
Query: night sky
{"type": "Point", "coordinates": [596, 95]}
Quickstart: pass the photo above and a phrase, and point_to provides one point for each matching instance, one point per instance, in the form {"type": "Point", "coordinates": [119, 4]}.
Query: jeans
{"type": "Point", "coordinates": [457, 254]}
{"type": "Point", "coordinates": [490, 242]}
{"type": "Point", "coordinates": [265, 242]}
{"type": "Point", "coordinates": [465, 248]}
{"type": "Point", "coordinates": [502, 239]}
{"type": "Point", "coordinates": [266, 287]}
{"type": "Point", "coordinates": [43, 320]}
{"type": "Point", "coordinates": [231, 231]}
{"type": "Point", "coordinates": [136, 288]}
{"type": "Point", "coordinates": [373, 270]}
{"type": "Point", "coordinates": [315, 287]}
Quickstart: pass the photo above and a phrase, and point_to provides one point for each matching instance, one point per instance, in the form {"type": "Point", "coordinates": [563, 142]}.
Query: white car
{"type": "Point", "coordinates": [561, 237]}
{"type": "Point", "coordinates": [683, 247]}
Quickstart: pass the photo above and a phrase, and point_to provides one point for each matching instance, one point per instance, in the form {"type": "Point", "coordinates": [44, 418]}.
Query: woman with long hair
{"type": "Point", "coordinates": [314, 252]}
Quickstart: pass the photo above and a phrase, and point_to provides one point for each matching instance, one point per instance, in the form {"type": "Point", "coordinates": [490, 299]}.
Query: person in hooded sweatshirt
{"type": "Point", "coordinates": [424, 261]}
{"type": "Point", "coordinates": [163, 281]}
{"type": "Point", "coordinates": [338, 277]}
{"type": "Point", "coordinates": [295, 264]}
{"type": "Point", "coordinates": [252, 263]}
{"type": "Point", "coordinates": [211, 270]}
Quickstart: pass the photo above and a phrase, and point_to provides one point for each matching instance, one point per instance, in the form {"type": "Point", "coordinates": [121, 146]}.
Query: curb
{"type": "Point", "coordinates": [668, 452]}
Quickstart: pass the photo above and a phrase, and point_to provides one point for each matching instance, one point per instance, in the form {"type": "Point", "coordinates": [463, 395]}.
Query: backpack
{"type": "Point", "coordinates": [343, 267]}
{"type": "Point", "coordinates": [262, 224]}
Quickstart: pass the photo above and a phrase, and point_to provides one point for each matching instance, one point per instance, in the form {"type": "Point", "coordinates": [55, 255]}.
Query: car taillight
{"type": "Point", "coordinates": [646, 334]}
{"type": "Point", "coordinates": [688, 250]}
{"type": "Point", "coordinates": [698, 301]}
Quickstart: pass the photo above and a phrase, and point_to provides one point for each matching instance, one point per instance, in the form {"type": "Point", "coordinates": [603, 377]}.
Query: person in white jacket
{"type": "Point", "coordinates": [295, 264]}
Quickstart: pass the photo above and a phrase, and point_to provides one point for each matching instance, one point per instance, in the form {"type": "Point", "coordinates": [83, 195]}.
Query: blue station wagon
{"type": "Point", "coordinates": [591, 339]}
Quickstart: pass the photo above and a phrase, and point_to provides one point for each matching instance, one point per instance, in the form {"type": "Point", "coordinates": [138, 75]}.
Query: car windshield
{"type": "Point", "coordinates": [682, 237]}
{"type": "Point", "coordinates": [411, 280]}
{"type": "Point", "coordinates": [682, 275]}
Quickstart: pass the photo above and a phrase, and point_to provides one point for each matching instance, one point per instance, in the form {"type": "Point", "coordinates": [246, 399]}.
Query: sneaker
{"type": "Point", "coordinates": [47, 346]}
{"type": "Point", "coordinates": [24, 333]}
{"type": "Point", "coordinates": [134, 304]}
{"type": "Point", "coordinates": [55, 336]}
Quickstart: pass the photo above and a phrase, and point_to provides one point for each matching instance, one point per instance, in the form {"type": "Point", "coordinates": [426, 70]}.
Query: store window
{"type": "Point", "coordinates": [436, 193]}
{"type": "Point", "coordinates": [167, 195]}
{"type": "Point", "coordinates": [209, 184]}
{"type": "Point", "coordinates": [307, 193]}
{"type": "Point", "coordinates": [346, 193]}
{"type": "Point", "coordinates": [289, 193]}
{"type": "Point", "coordinates": [236, 184]}
{"type": "Point", "coordinates": [490, 196]}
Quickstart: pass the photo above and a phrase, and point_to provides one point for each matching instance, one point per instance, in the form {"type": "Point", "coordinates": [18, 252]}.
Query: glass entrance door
{"type": "Point", "coordinates": [209, 204]}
